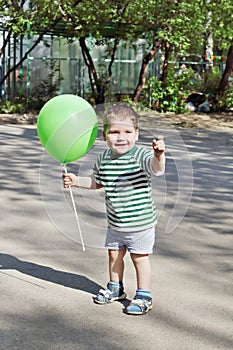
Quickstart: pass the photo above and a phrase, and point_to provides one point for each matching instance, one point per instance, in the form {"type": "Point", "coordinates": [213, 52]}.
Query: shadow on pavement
{"type": "Point", "coordinates": [45, 273]}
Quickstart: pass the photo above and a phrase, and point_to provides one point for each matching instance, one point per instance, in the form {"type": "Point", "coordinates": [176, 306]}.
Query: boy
{"type": "Point", "coordinates": [124, 170]}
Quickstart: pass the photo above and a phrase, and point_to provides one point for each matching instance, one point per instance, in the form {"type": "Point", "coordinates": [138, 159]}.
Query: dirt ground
{"type": "Point", "coordinates": [212, 121]}
{"type": "Point", "coordinates": [201, 120]}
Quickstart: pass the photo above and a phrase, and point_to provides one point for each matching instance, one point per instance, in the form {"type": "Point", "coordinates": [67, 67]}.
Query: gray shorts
{"type": "Point", "coordinates": [138, 242]}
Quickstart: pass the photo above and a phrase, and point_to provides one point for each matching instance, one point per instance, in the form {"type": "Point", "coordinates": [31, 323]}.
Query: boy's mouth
{"type": "Point", "coordinates": [120, 144]}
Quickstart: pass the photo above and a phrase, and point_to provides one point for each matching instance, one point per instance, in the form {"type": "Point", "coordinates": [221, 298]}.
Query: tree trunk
{"type": "Point", "coordinates": [100, 86]}
{"type": "Point", "coordinates": [90, 65]}
{"type": "Point", "coordinates": [228, 70]}
{"type": "Point", "coordinates": [165, 63]}
{"type": "Point", "coordinates": [97, 86]}
{"type": "Point", "coordinates": [108, 79]}
{"type": "Point", "coordinates": [144, 69]}
{"type": "Point", "coordinates": [208, 39]}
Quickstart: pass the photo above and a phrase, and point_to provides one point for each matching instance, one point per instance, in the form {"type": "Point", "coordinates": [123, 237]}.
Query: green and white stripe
{"type": "Point", "coordinates": [127, 183]}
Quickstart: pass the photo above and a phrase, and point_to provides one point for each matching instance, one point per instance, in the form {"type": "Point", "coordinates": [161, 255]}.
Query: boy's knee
{"type": "Point", "coordinates": [115, 254]}
{"type": "Point", "coordinates": [138, 257]}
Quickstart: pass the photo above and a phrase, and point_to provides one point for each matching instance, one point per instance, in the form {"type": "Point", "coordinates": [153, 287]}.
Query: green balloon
{"type": "Point", "coordinates": [67, 127]}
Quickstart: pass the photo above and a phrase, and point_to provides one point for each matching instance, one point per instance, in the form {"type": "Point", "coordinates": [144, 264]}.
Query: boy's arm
{"type": "Point", "coordinates": [159, 159]}
{"type": "Point", "coordinates": [70, 179]}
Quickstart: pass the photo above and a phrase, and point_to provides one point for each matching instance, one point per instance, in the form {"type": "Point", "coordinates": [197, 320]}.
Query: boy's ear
{"type": "Point", "coordinates": [137, 134]}
{"type": "Point", "coordinates": [104, 135]}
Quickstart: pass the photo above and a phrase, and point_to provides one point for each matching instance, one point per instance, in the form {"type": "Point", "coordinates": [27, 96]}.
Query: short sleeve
{"type": "Point", "coordinates": [146, 161]}
{"type": "Point", "coordinates": [95, 169]}
{"type": "Point", "coordinates": [97, 166]}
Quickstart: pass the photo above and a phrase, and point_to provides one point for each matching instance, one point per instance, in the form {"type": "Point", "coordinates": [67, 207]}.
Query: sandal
{"type": "Point", "coordinates": [109, 295]}
{"type": "Point", "coordinates": [140, 305]}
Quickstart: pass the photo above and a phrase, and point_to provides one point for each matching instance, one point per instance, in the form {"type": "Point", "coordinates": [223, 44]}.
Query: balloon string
{"type": "Point", "coordinates": [75, 212]}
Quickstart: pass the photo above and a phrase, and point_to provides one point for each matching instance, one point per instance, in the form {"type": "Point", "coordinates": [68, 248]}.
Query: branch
{"type": "Point", "coordinates": [33, 46]}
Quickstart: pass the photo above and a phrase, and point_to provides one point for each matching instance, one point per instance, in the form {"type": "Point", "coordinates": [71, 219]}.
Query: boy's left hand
{"type": "Point", "coordinates": [158, 146]}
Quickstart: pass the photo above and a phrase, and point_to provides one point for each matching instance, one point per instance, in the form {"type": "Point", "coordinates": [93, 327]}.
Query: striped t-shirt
{"type": "Point", "coordinates": [127, 183]}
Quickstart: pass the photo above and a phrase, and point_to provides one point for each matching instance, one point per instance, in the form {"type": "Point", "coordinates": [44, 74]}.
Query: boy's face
{"type": "Point", "coordinates": [121, 136]}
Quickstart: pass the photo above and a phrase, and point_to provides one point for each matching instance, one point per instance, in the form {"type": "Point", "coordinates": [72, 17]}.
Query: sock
{"type": "Point", "coordinates": [138, 309]}
{"type": "Point", "coordinates": [116, 284]}
{"type": "Point", "coordinates": [144, 293]}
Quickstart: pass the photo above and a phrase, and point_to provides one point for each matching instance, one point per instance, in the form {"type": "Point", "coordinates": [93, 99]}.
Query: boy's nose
{"type": "Point", "coordinates": [120, 136]}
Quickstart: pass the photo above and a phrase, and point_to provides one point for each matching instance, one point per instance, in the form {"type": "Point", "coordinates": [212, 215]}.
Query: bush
{"type": "Point", "coordinates": [46, 88]}
{"type": "Point", "coordinates": [221, 102]}
{"type": "Point", "coordinates": [172, 97]}
{"type": "Point", "coordinates": [225, 101]}
{"type": "Point", "coordinates": [9, 107]}
{"type": "Point", "coordinates": [211, 81]}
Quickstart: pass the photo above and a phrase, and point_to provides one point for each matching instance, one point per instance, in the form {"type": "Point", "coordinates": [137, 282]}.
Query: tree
{"type": "Point", "coordinates": [175, 27]}
{"type": "Point", "coordinates": [126, 20]}
{"type": "Point", "coordinates": [78, 19]}
{"type": "Point", "coordinates": [171, 21]}
{"type": "Point", "coordinates": [23, 17]}
{"type": "Point", "coordinates": [222, 19]}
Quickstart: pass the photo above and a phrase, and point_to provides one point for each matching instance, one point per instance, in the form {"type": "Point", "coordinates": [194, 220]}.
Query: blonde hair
{"type": "Point", "coordinates": [119, 112]}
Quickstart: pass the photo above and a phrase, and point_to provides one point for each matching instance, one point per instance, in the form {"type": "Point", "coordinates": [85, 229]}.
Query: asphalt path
{"type": "Point", "coordinates": [47, 281]}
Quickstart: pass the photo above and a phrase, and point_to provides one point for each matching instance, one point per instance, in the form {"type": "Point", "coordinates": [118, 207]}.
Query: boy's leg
{"type": "Point", "coordinates": [116, 264]}
{"type": "Point", "coordinates": [115, 288]}
{"type": "Point", "coordinates": [142, 301]}
{"type": "Point", "coordinates": [143, 270]}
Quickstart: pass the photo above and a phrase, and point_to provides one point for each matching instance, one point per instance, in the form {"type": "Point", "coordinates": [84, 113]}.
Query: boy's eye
{"type": "Point", "coordinates": [117, 131]}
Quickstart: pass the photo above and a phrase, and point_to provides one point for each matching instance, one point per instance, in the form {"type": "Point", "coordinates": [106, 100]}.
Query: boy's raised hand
{"type": "Point", "coordinates": [158, 146]}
